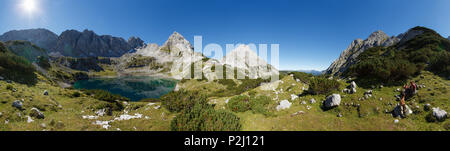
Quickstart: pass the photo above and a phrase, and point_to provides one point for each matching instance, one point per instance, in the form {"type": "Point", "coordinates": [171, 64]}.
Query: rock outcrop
{"type": "Point", "coordinates": [248, 62]}
{"type": "Point", "coordinates": [74, 43]}
{"type": "Point", "coordinates": [348, 57]}
{"type": "Point", "coordinates": [41, 37]}
{"type": "Point", "coordinates": [177, 55]}
{"type": "Point", "coordinates": [284, 104]}
{"type": "Point", "coordinates": [88, 44]}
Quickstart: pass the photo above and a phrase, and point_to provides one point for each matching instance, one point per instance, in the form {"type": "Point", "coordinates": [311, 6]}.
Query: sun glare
{"type": "Point", "coordinates": [29, 6]}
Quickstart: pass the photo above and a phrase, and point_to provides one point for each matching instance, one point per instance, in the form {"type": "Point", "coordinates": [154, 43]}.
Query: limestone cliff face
{"type": "Point", "coordinates": [73, 43]}
{"type": "Point", "coordinates": [349, 55]}
{"type": "Point", "coordinates": [88, 44]}
{"type": "Point", "coordinates": [177, 51]}
{"type": "Point", "coordinates": [379, 38]}
{"type": "Point", "coordinates": [40, 37]}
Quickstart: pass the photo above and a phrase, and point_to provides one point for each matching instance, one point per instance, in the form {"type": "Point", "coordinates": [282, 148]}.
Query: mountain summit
{"type": "Point", "coordinates": [40, 37]}
{"type": "Point", "coordinates": [74, 43]}
{"type": "Point", "coordinates": [349, 55]}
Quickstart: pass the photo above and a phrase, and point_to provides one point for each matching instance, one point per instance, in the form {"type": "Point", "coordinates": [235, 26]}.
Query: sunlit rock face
{"type": "Point", "coordinates": [40, 37]}
{"type": "Point", "coordinates": [379, 38]}
{"type": "Point", "coordinates": [88, 44]}
{"type": "Point", "coordinates": [177, 55]}
{"type": "Point", "coordinates": [247, 61]}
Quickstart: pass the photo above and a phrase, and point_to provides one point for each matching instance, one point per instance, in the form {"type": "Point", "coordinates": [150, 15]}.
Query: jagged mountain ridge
{"type": "Point", "coordinates": [74, 43]}
{"type": "Point", "coordinates": [177, 51]}
{"type": "Point", "coordinates": [349, 56]}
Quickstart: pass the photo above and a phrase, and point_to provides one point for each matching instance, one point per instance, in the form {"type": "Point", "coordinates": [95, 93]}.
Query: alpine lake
{"type": "Point", "coordinates": [135, 88]}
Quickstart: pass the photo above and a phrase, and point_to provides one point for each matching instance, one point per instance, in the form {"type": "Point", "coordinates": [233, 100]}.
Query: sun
{"type": "Point", "coordinates": [29, 6]}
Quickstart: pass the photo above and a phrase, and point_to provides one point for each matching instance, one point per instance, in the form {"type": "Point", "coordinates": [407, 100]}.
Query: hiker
{"type": "Point", "coordinates": [403, 106]}
{"type": "Point", "coordinates": [413, 88]}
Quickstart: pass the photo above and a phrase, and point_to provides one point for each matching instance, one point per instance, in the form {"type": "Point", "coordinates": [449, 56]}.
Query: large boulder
{"type": "Point", "coordinates": [440, 115]}
{"type": "Point", "coordinates": [284, 104]}
{"type": "Point", "coordinates": [332, 101]}
{"type": "Point", "coordinates": [34, 112]}
{"type": "Point", "coordinates": [398, 111]}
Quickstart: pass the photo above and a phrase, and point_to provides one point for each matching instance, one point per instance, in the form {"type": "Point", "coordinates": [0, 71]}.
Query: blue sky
{"type": "Point", "coordinates": [311, 33]}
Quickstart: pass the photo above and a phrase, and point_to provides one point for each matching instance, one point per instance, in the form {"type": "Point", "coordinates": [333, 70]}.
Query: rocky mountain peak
{"type": "Point", "coordinates": [135, 42]}
{"type": "Point", "coordinates": [349, 55]}
{"type": "Point", "coordinates": [40, 37]}
{"type": "Point", "coordinates": [410, 34]}
{"type": "Point", "coordinates": [177, 40]}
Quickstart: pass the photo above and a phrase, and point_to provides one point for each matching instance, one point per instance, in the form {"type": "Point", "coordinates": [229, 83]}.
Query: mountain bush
{"type": "Point", "coordinates": [16, 68]}
{"type": "Point", "coordinates": [43, 62]}
{"type": "Point", "coordinates": [200, 118]}
{"type": "Point", "coordinates": [243, 103]}
{"type": "Point", "coordinates": [395, 64]}
{"type": "Point", "coordinates": [322, 85]}
{"type": "Point", "coordinates": [180, 100]}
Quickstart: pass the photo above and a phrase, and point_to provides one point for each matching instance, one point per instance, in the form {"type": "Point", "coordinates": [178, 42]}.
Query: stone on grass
{"type": "Point", "coordinates": [34, 112]}
{"type": "Point", "coordinates": [17, 104]}
{"type": "Point", "coordinates": [332, 101]}
{"type": "Point", "coordinates": [312, 101]}
{"type": "Point", "coordinates": [293, 97]}
{"type": "Point", "coordinates": [440, 115]}
{"type": "Point", "coordinates": [45, 92]}
{"type": "Point", "coordinates": [398, 111]}
{"type": "Point", "coordinates": [284, 104]}
{"type": "Point", "coordinates": [353, 85]}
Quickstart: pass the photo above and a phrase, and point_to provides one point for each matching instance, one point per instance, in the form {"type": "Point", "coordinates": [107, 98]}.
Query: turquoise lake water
{"type": "Point", "coordinates": [134, 88]}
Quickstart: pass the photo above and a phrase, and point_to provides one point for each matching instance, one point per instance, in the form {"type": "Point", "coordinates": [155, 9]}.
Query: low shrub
{"type": "Point", "coordinates": [180, 100]}
{"type": "Point", "coordinates": [242, 103]}
{"type": "Point", "coordinates": [321, 85]}
{"type": "Point", "coordinates": [239, 103]}
{"type": "Point", "coordinates": [201, 118]}
{"type": "Point", "coordinates": [43, 62]}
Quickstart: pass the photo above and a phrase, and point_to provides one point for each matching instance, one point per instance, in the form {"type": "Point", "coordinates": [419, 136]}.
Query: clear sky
{"type": "Point", "coordinates": [311, 33]}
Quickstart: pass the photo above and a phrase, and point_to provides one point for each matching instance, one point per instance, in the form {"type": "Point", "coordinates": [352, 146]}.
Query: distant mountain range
{"type": "Point", "coordinates": [74, 43]}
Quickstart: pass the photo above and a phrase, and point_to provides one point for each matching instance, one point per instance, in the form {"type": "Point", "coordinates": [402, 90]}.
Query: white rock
{"type": "Point", "coordinates": [312, 101]}
{"type": "Point", "coordinates": [284, 104]}
{"type": "Point", "coordinates": [353, 85]}
{"type": "Point", "coordinates": [293, 97]}
{"type": "Point", "coordinates": [440, 115]}
{"type": "Point", "coordinates": [104, 124]}
{"type": "Point", "coordinates": [396, 121]}
{"type": "Point", "coordinates": [332, 101]}
{"type": "Point", "coordinates": [90, 117]}
{"type": "Point", "coordinates": [101, 112]}
{"type": "Point", "coordinates": [226, 101]}
{"type": "Point", "coordinates": [45, 92]}
{"type": "Point", "coordinates": [29, 119]}
{"type": "Point", "coordinates": [128, 117]}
